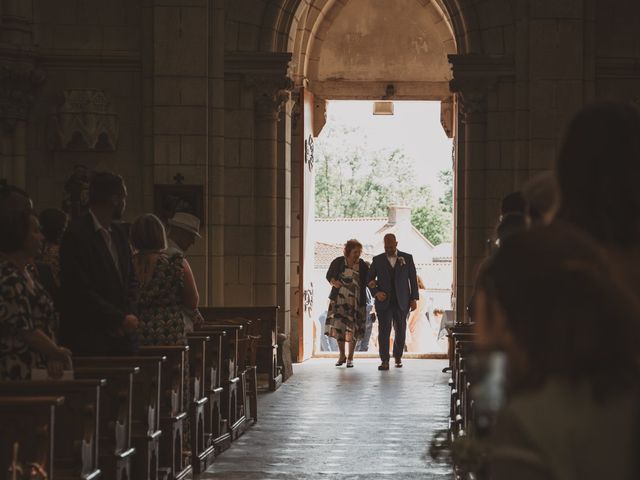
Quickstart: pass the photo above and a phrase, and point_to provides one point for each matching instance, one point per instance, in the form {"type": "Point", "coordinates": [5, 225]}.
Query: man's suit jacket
{"type": "Point", "coordinates": [403, 277]}
{"type": "Point", "coordinates": [95, 295]}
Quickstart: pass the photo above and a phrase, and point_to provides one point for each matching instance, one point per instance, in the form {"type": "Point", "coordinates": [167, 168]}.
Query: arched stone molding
{"type": "Point", "coordinates": [289, 24]}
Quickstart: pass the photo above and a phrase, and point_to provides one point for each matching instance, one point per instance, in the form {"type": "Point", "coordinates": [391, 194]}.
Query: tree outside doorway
{"type": "Point", "coordinates": [370, 172]}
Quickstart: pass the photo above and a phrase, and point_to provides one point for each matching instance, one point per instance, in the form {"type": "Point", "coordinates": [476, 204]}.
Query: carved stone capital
{"type": "Point", "coordinates": [267, 74]}
{"type": "Point", "coordinates": [270, 95]}
{"type": "Point", "coordinates": [18, 84]}
{"type": "Point", "coordinates": [474, 75]}
{"type": "Point", "coordinates": [472, 100]}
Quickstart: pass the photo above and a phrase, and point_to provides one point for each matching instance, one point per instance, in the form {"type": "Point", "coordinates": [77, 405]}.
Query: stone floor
{"type": "Point", "coordinates": [333, 423]}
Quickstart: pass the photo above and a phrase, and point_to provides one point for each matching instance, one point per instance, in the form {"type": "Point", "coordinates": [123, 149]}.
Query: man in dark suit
{"type": "Point", "coordinates": [97, 279]}
{"type": "Point", "coordinates": [393, 281]}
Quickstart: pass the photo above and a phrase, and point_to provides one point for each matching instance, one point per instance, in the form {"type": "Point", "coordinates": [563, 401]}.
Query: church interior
{"type": "Point", "coordinates": [156, 189]}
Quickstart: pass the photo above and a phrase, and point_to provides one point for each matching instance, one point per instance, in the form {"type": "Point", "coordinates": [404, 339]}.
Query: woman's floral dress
{"type": "Point", "coordinates": [160, 304]}
{"type": "Point", "coordinates": [162, 314]}
{"type": "Point", "coordinates": [347, 314]}
{"type": "Point", "coordinates": [24, 307]}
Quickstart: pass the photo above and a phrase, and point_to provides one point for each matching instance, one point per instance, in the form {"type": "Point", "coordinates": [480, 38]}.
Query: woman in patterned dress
{"type": "Point", "coordinates": [167, 286]}
{"type": "Point", "coordinates": [27, 317]}
{"type": "Point", "coordinates": [167, 292]}
{"type": "Point", "coordinates": [346, 318]}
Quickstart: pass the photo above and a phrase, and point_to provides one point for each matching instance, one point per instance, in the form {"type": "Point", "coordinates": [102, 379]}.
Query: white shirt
{"type": "Point", "coordinates": [392, 259]}
{"type": "Point", "coordinates": [108, 240]}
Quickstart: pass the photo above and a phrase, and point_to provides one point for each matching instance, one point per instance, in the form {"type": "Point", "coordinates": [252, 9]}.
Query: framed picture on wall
{"type": "Point", "coordinates": [169, 199]}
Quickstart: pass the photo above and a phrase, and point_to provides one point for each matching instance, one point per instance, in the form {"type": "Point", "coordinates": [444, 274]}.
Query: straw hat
{"type": "Point", "coordinates": [187, 222]}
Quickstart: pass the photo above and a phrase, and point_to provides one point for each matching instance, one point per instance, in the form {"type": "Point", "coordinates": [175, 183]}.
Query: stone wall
{"type": "Point", "coordinates": [200, 88]}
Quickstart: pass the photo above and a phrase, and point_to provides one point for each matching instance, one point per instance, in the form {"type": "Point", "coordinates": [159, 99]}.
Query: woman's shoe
{"type": "Point", "coordinates": [341, 361]}
{"type": "Point", "coordinates": [349, 363]}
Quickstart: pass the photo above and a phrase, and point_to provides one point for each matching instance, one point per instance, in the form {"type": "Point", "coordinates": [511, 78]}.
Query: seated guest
{"type": "Point", "coordinates": [184, 228]}
{"type": "Point", "coordinates": [53, 223]}
{"type": "Point", "coordinates": [27, 318]}
{"type": "Point", "coordinates": [548, 299]}
{"type": "Point", "coordinates": [167, 289]}
{"type": "Point", "coordinates": [598, 173]}
{"type": "Point", "coordinates": [97, 280]}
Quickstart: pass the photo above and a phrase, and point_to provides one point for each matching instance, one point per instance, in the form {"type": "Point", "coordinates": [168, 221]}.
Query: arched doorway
{"type": "Point", "coordinates": [355, 49]}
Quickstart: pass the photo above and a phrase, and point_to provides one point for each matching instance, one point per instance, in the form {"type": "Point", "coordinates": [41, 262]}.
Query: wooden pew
{"type": "Point", "coordinates": [461, 408]}
{"type": "Point", "coordinates": [29, 422]}
{"type": "Point", "coordinates": [116, 446]}
{"type": "Point", "coordinates": [172, 408]}
{"type": "Point", "coordinates": [233, 398]}
{"type": "Point", "coordinates": [216, 426]}
{"type": "Point", "coordinates": [77, 438]}
{"type": "Point", "coordinates": [145, 418]}
{"type": "Point", "coordinates": [202, 452]}
{"type": "Point", "coordinates": [266, 317]}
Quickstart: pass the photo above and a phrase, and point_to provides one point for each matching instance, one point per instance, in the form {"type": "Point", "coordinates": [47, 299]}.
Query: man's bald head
{"type": "Point", "coordinates": [390, 244]}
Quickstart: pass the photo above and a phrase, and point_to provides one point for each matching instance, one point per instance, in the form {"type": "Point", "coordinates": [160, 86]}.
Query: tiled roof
{"type": "Point", "coordinates": [370, 232]}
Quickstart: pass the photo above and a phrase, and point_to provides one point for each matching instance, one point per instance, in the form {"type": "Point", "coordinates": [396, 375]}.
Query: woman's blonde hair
{"type": "Point", "coordinates": [148, 233]}
{"type": "Point", "coordinates": [351, 245]}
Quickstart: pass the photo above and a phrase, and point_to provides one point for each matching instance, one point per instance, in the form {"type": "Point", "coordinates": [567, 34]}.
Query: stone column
{"type": "Point", "coordinates": [177, 110]}
{"type": "Point", "coordinates": [19, 79]}
{"type": "Point", "coordinates": [471, 229]}
{"type": "Point", "coordinates": [270, 95]}
{"type": "Point", "coordinates": [216, 160]}
{"type": "Point", "coordinates": [480, 177]}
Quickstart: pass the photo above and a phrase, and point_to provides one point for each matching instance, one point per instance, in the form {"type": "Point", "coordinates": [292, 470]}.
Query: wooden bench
{"type": "Point", "coordinates": [461, 406]}
{"type": "Point", "coordinates": [28, 434]}
{"type": "Point", "coordinates": [202, 452]}
{"type": "Point", "coordinates": [172, 408]}
{"type": "Point", "coordinates": [145, 417]}
{"type": "Point", "coordinates": [116, 447]}
{"type": "Point", "coordinates": [216, 426]}
{"type": "Point", "coordinates": [249, 337]}
{"type": "Point", "coordinates": [266, 318]}
{"type": "Point", "coordinates": [77, 438]}
{"type": "Point", "coordinates": [233, 398]}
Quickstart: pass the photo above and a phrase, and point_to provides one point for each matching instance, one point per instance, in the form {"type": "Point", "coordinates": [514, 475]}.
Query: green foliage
{"type": "Point", "coordinates": [354, 181]}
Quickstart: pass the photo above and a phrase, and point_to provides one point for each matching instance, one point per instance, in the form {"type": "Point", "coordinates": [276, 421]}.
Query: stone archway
{"type": "Point", "coordinates": [277, 58]}
{"type": "Point", "coordinates": [338, 53]}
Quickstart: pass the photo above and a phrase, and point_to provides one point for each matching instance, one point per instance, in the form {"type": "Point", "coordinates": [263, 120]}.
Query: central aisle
{"type": "Point", "coordinates": [328, 422]}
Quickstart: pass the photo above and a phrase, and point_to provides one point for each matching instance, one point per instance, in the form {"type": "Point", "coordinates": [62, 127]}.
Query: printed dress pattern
{"type": "Point", "coordinates": [160, 305]}
{"type": "Point", "coordinates": [22, 309]}
{"type": "Point", "coordinates": [347, 313]}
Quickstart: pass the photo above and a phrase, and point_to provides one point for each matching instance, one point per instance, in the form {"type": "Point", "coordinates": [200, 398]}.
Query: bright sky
{"type": "Point", "coordinates": [414, 128]}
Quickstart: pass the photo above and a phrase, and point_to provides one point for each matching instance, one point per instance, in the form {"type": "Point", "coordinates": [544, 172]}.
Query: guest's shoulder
{"type": "Point", "coordinates": [337, 260]}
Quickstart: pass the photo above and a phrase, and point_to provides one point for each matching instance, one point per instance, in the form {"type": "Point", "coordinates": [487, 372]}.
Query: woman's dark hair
{"type": "Point", "coordinates": [351, 245]}
{"type": "Point", "coordinates": [147, 233]}
{"type": "Point", "coordinates": [565, 308]}
{"type": "Point", "coordinates": [103, 186]}
{"type": "Point", "coordinates": [598, 172]}
{"type": "Point", "coordinates": [14, 224]}
{"type": "Point", "coordinates": [513, 203]}
{"type": "Point", "coordinates": [53, 222]}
